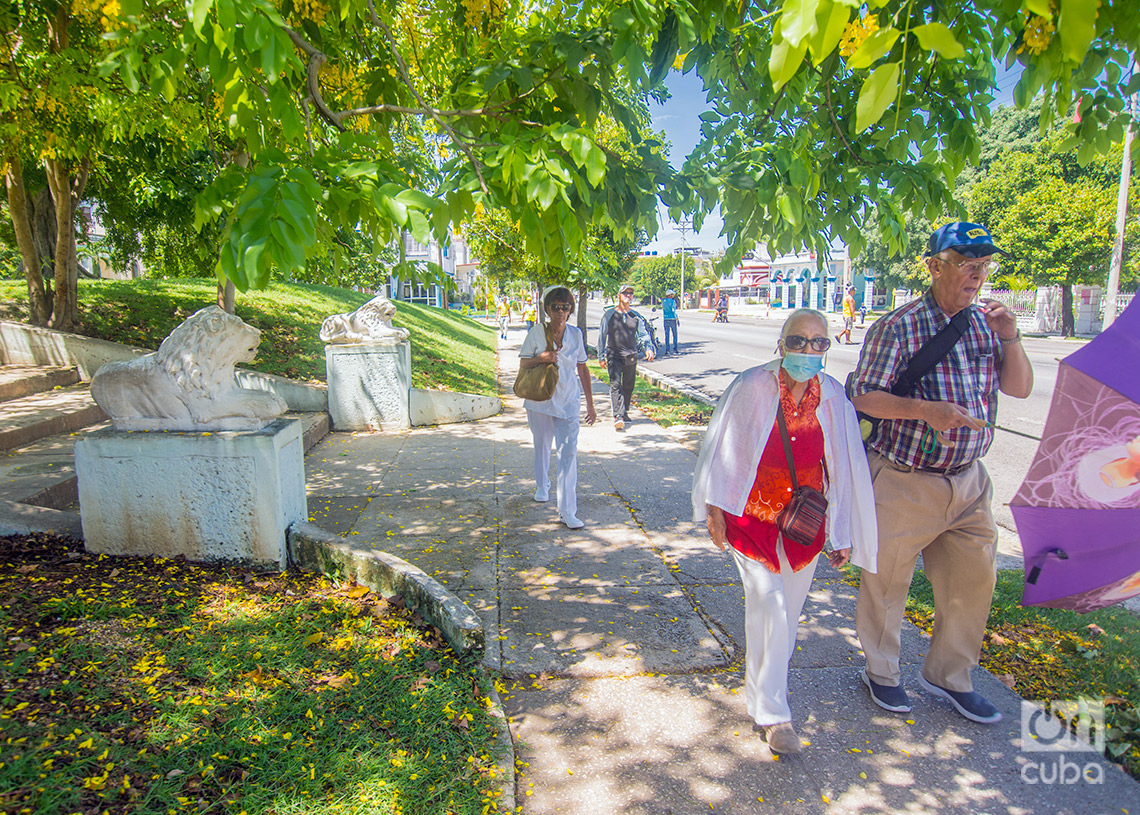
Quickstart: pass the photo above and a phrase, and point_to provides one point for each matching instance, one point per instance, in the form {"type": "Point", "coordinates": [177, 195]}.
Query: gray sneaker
{"type": "Point", "coordinates": [970, 704]}
{"type": "Point", "coordinates": [892, 698]}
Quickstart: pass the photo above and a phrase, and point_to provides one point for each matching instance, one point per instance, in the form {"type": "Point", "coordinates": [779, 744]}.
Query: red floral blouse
{"type": "Point", "coordinates": [754, 533]}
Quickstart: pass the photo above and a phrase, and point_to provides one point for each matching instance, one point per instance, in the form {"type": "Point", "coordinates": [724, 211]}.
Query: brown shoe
{"type": "Point", "coordinates": [782, 738]}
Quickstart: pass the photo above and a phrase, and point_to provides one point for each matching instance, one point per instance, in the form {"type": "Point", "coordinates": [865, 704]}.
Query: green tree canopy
{"type": "Point", "coordinates": [1058, 219]}
{"type": "Point", "coordinates": [333, 115]}
{"type": "Point", "coordinates": [656, 275]}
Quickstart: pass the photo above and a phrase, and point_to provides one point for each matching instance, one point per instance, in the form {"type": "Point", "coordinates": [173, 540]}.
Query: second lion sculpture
{"type": "Point", "coordinates": [371, 323]}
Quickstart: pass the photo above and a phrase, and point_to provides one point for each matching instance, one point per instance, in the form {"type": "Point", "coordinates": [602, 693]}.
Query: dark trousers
{"type": "Point", "coordinates": [622, 377]}
{"type": "Point", "coordinates": [670, 329]}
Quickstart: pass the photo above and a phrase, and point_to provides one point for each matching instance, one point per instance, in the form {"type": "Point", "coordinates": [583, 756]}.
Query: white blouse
{"type": "Point", "coordinates": [567, 400]}
{"type": "Point", "coordinates": [738, 434]}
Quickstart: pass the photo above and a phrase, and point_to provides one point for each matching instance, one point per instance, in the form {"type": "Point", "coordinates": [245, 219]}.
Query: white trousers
{"type": "Point", "coordinates": [563, 433]}
{"type": "Point", "coordinates": [772, 606]}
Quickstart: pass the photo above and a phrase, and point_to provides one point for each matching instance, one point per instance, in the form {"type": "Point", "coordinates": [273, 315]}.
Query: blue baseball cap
{"type": "Point", "coordinates": [969, 240]}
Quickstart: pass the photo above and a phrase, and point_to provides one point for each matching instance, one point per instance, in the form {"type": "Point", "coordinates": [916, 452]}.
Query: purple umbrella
{"type": "Point", "coordinates": [1078, 510]}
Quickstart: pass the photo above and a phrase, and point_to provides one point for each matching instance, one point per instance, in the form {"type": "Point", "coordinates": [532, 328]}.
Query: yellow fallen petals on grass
{"type": "Point", "coordinates": [261, 679]}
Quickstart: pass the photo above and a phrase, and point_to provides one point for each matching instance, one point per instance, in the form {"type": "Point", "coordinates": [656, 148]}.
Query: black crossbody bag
{"type": "Point", "coordinates": [922, 363]}
{"type": "Point", "coordinates": [802, 517]}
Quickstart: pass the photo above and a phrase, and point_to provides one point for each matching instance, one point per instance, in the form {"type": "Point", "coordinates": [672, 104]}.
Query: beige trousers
{"type": "Point", "coordinates": [948, 520]}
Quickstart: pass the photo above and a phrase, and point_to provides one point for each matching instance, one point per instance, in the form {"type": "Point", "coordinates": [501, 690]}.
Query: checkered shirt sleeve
{"type": "Point", "coordinates": [968, 376]}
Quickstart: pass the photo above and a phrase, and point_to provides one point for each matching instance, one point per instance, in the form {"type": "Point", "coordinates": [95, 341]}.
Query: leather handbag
{"type": "Point", "coordinates": [537, 383]}
{"type": "Point", "coordinates": [802, 517]}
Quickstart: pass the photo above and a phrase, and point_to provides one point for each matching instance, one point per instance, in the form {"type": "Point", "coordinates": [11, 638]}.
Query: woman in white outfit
{"type": "Point", "coordinates": [556, 420]}
{"type": "Point", "coordinates": [742, 481]}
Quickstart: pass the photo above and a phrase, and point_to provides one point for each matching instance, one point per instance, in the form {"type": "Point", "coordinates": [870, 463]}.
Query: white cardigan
{"type": "Point", "coordinates": [738, 434]}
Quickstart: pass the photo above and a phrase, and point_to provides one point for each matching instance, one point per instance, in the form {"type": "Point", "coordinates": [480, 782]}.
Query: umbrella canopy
{"type": "Point", "coordinates": [1078, 510]}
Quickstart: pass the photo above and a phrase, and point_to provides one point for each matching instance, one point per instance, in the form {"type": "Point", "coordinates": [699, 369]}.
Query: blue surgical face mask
{"type": "Point", "coordinates": [802, 367]}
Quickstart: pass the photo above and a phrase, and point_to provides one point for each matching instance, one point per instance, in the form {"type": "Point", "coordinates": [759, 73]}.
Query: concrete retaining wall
{"type": "Point", "coordinates": [443, 407]}
{"type": "Point", "coordinates": [313, 549]}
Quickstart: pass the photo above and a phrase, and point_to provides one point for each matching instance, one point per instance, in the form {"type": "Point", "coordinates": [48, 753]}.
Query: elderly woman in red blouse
{"type": "Point", "coordinates": [742, 481]}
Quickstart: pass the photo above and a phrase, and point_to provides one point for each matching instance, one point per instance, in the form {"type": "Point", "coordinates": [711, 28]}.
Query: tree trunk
{"type": "Point", "coordinates": [226, 295]}
{"type": "Point", "coordinates": [42, 215]}
{"type": "Point", "coordinates": [1067, 327]}
{"type": "Point", "coordinates": [75, 190]}
{"type": "Point", "coordinates": [39, 301]}
{"type": "Point", "coordinates": [65, 307]}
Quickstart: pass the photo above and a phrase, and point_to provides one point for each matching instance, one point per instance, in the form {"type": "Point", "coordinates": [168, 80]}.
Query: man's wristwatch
{"type": "Point", "coordinates": [1015, 338]}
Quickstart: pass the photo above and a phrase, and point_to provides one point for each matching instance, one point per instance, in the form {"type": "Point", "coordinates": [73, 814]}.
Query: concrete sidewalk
{"type": "Point", "coordinates": [620, 644]}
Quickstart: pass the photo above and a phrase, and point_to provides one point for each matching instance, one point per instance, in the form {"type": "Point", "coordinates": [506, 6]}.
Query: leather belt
{"type": "Point", "coordinates": [910, 468]}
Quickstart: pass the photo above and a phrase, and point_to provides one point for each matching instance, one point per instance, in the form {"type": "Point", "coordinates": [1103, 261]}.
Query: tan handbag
{"type": "Point", "coordinates": [538, 382]}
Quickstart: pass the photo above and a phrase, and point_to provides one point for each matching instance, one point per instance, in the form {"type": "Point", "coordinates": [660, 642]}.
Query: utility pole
{"type": "Point", "coordinates": [684, 225]}
{"type": "Point", "coordinates": [1113, 286]}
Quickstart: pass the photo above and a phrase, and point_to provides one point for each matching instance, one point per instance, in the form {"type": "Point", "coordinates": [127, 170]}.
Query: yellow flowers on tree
{"type": "Point", "coordinates": [401, 116]}
{"type": "Point", "coordinates": [52, 117]}
{"type": "Point", "coordinates": [385, 116]}
{"type": "Point", "coordinates": [829, 111]}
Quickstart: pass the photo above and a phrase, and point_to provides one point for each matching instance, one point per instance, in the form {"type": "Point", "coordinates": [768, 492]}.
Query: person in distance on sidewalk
{"type": "Point", "coordinates": [556, 421]}
{"type": "Point", "coordinates": [742, 482]}
{"type": "Point", "coordinates": [622, 335]}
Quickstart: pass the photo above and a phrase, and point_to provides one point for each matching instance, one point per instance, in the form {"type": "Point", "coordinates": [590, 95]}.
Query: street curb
{"type": "Point", "coordinates": [507, 742]}
{"type": "Point", "coordinates": [314, 549]}
{"type": "Point", "coordinates": [671, 384]}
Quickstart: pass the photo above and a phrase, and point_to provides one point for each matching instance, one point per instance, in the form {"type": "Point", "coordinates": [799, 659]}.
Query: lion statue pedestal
{"type": "Point", "coordinates": [368, 365]}
{"type": "Point", "coordinates": [216, 476]}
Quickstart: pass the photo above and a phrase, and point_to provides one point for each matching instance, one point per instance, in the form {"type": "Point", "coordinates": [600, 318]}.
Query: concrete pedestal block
{"type": "Point", "coordinates": [368, 385]}
{"type": "Point", "coordinates": [1087, 306]}
{"type": "Point", "coordinates": [222, 496]}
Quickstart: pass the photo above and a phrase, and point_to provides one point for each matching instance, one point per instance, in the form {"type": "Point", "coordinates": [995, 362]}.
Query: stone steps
{"type": "Point", "coordinates": [17, 381]}
{"type": "Point", "coordinates": [48, 413]}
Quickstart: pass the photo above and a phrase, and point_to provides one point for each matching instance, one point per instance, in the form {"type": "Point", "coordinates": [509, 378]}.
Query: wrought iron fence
{"type": "Point", "coordinates": [1021, 303]}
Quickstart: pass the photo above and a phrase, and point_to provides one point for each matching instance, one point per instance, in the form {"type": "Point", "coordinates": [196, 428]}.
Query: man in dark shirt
{"type": "Point", "coordinates": [621, 336]}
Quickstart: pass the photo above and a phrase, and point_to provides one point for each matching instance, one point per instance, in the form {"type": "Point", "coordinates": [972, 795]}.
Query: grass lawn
{"type": "Point", "coordinates": [449, 351]}
{"type": "Point", "coordinates": [143, 685]}
{"type": "Point", "coordinates": [663, 406]}
{"type": "Point", "coordinates": [1047, 654]}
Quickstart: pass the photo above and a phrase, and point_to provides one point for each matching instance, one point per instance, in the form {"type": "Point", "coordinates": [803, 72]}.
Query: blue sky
{"type": "Point", "coordinates": [678, 118]}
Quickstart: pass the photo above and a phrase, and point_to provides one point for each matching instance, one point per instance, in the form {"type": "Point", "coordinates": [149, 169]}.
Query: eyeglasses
{"type": "Point", "coordinates": [560, 307]}
{"type": "Point", "coordinates": [627, 291]}
{"type": "Point", "coordinates": [794, 342]}
{"type": "Point", "coordinates": [973, 267]}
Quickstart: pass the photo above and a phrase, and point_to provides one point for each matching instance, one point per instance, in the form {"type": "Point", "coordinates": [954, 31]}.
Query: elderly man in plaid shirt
{"type": "Point", "coordinates": [932, 494]}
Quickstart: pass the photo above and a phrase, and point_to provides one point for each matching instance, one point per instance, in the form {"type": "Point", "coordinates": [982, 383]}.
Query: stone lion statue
{"type": "Point", "coordinates": [371, 323]}
{"type": "Point", "coordinates": [188, 383]}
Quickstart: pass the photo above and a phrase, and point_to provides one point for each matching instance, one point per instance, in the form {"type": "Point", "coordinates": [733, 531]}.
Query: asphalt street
{"type": "Point", "coordinates": [711, 354]}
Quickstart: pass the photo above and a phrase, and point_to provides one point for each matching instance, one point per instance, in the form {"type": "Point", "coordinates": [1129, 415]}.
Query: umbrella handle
{"type": "Point", "coordinates": [1035, 572]}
